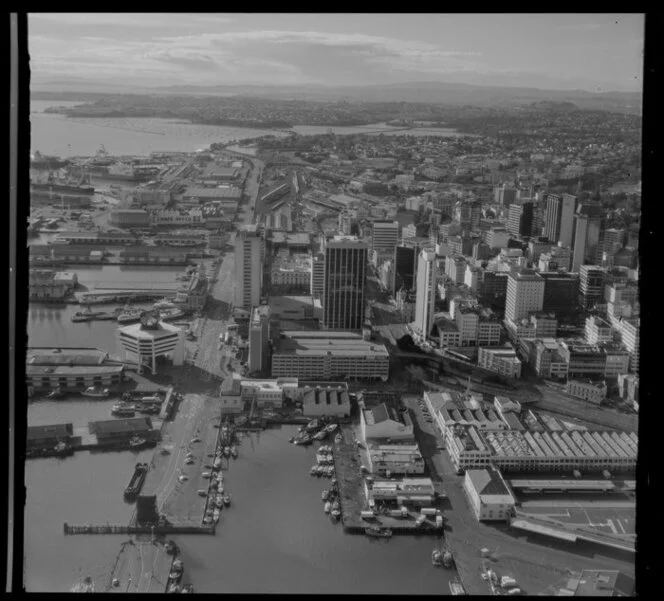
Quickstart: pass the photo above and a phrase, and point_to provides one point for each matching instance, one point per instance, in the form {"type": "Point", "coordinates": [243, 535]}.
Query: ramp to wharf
{"type": "Point", "coordinates": [141, 567]}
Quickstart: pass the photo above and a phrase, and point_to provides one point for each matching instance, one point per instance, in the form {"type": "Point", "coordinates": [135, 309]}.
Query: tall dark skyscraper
{"type": "Point", "coordinates": [405, 261]}
{"type": "Point", "coordinates": [345, 277]}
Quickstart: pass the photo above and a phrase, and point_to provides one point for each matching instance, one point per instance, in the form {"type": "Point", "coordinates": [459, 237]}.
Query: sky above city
{"type": "Point", "coordinates": [595, 52]}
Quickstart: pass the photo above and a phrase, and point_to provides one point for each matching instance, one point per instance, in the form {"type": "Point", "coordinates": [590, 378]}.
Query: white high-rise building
{"type": "Point", "coordinates": [426, 292]}
{"type": "Point", "coordinates": [248, 267]}
{"type": "Point", "coordinates": [525, 294]}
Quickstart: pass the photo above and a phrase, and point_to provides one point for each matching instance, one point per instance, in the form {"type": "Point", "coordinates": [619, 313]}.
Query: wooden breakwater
{"type": "Point", "coordinates": [135, 529]}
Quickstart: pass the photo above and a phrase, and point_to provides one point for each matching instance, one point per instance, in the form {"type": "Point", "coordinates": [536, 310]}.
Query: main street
{"type": "Point", "coordinates": [205, 353]}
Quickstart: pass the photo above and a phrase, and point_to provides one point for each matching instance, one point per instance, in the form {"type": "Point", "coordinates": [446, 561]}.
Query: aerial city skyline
{"type": "Point", "coordinates": [298, 282]}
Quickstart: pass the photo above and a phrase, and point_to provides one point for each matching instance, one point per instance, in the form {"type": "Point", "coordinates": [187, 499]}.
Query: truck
{"type": "Point", "coordinates": [428, 511]}
{"type": "Point", "coordinates": [367, 515]}
{"type": "Point", "coordinates": [507, 582]}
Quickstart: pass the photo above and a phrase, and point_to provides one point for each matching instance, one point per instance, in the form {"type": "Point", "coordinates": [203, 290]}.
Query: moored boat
{"type": "Point", "coordinates": [94, 391]}
{"type": "Point", "coordinates": [136, 442]}
{"type": "Point", "coordinates": [448, 558]}
{"type": "Point", "coordinates": [378, 532]}
{"type": "Point", "coordinates": [312, 471]}
{"type": "Point", "coordinates": [227, 500]}
{"type": "Point", "coordinates": [129, 315]}
{"type": "Point", "coordinates": [327, 507]}
{"type": "Point", "coordinates": [324, 495]}
{"type": "Point", "coordinates": [336, 514]}
{"type": "Point", "coordinates": [314, 424]}
{"type": "Point", "coordinates": [234, 452]}
{"type": "Point", "coordinates": [331, 428]}
{"type": "Point", "coordinates": [456, 588]}
{"type": "Point", "coordinates": [122, 410]}
{"type": "Point", "coordinates": [436, 557]}
{"type": "Point", "coordinates": [227, 451]}
{"type": "Point", "coordinates": [320, 435]}
{"type": "Point", "coordinates": [58, 393]}
{"type": "Point", "coordinates": [136, 482]}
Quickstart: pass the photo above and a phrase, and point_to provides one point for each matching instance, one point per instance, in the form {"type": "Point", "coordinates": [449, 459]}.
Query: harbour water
{"type": "Point", "coordinates": [275, 537]}
{"type": "Point", "coordinates": [56, 134]}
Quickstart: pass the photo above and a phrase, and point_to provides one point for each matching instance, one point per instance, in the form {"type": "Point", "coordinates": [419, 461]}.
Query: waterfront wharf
{"type": "Point", "coordinates": [352, 497]}
{"type": "Point", "coordinates": [141, 567]}
{"type": "Point", "coordinates": [180, 528]}
{"type": "Point", "coordinates": [108, 297]}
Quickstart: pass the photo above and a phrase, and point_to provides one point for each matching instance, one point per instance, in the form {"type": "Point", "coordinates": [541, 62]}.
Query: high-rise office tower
{"type": "Point", "coordinates": [249, 248]}
{"type": "Point", "coordinates": [345, 222]}
{"type": "Point", "coordinates": [318, 275]}
{"type": "Point", "coordinates": [525, 294]}
{"type": "Point", "coordinates": [384, 235]}
{"type": "Point", "coordinates": [504, 195]}
{"type": "Point", "coordinates": [567, 210]}
{"type": "Point", "coordinates": [591, 285]}
{"type": "Point", "coordinates": [520, 222]}
{"type": "Point", "coordinates": [426, 292]}
{"type": "Point", "coordinates": [259, 334]}
{"type": "Point", "coordinates": [405, 261]}
{"type": "Point", "coordinates": [344, 290]}
{"type": "Point", "coordinates": [468, 214]}
{"type": "Point", "coordinates": [588, 225]}
{"type": "Point", "coordinates": [559, 221]}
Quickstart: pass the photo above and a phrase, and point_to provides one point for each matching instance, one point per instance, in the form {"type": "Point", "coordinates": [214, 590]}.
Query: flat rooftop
{"type": "Point", "coordinates": [321, 343]}
{"type": "Point", "coordinates": [65, 356]}
{"type": "Point", "coordinates": [137, 331]}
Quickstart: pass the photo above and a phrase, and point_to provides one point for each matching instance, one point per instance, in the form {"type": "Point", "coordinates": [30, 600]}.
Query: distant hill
{"type": "Point", "coordinates": [424, 92]}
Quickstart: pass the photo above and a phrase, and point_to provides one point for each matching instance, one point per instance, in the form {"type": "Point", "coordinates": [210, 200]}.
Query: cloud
{"type": "Point", "coordinates": [144, 20]}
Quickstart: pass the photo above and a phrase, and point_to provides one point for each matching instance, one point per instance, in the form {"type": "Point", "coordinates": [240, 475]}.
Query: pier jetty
{"type": "Point", "coordinates": [352, 495]}
{"type": "Point", "coordinates": [182, 528]}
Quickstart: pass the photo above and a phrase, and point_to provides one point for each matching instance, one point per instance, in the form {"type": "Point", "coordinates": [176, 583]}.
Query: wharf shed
{"type": "Point", "coordinates": [121, 429]}
{"type": "Point", "coordinates": [47, 436]}
{"type": "Point", "coordinates": [333, 401]}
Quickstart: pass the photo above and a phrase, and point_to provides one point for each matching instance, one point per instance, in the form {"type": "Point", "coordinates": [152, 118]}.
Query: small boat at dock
{"type": "Point", "coordinates": [58, 393]}
{"type": "Point", "coordinates": [327, 507]}
{"type": "Point", "coordinates": [227, 452]}
{"type": "Point", "coordinates": [447, 558]}
{"type": "Point", "coordinates": [378, 532]}
{"type": "Point", "coordinates": [122, 410]}
{"type": "Point", "coordinates": [456, 588]}
{"type": "Point", "coordinates": [234, 452]}
{"type": "Point", "coordinates": [324, 495]}
{"type": "Point", "coordinates": [320, 435]}
{"type": "Point", "coordinates": [136, 482]}
{"type": "Point", "coordinates": [436, 557]}
{"type": "Point", "coordinates": [331, 428]}
{"type": "Point", "coordinates": [227, 500]}
{"type": "Point", "coordinates": [136, 442]}
{"type": "Point", "coordinates": [336, 514]}
{"type": "Point", "coordinates": [313, 469]}
{"type": "Point", "coordinates": [94, 391]}
{"type": "Point", "coordinates": [313, 425]}
{"type": "Point", "coordinates": [129, 315]}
